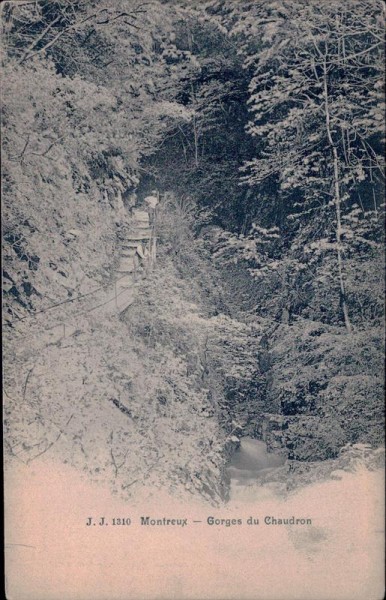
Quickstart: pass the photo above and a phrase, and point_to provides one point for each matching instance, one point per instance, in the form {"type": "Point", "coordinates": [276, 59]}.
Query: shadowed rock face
{"type": "Point", "coordinates": [251, 459]}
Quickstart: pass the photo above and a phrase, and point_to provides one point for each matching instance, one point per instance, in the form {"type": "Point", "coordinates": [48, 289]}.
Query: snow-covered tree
{"type": "Point", "coordinates": [317, 104]}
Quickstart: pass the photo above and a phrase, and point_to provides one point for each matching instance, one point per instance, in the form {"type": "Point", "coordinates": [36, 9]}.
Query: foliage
{"type": "Point", "coordinates": [323, 382]}
{"type": "Point", "coordinates": [208, 150]}
{"type": "Point", "coordinates": [261, 125]}
{"type": "Point", "coordinates": [317, 104]}
{"type": "Point", "coordinates": [74, 134]}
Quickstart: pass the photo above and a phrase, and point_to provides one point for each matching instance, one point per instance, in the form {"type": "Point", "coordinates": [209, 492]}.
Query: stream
{"type": "Point", "coordinates": [250, 460]}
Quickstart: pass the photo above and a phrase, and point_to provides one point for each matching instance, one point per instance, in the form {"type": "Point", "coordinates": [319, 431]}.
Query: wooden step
{"type": "Point", "coordinates": [140, 215]}
{"type": "Point", "coordinates": [129, 244]}
{"type": "Point", "coordinates": [145, 234]}
{"type": "Point", "coordinates": [127, 271]}
{"type": "Point", "coordinates": [126, 264]}
{"type": "Point", "coordinates": [126, 252]}
{"type": "Point", "coordinates": [140, 227]}
{"type": "Point", "coordinates": [125, 282]}
{"type": "Point", "coordinates": [141, 219]}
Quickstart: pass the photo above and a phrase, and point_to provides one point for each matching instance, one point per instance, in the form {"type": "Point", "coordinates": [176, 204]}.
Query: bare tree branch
{"type": "Point", "coordinates": [113, 459]}
{"type": "Point", "coordinates": [52, 443]}
{"type": "Point", "coordinates": [41, 36]}
{"type": "Point", "coordinates": [109, 19]}
{"type": "Point", "coordinates": [26, 382]}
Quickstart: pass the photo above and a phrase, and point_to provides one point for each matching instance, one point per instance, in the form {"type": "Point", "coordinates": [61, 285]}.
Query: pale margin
{"type": "Point", "coordinates": [52, 555]}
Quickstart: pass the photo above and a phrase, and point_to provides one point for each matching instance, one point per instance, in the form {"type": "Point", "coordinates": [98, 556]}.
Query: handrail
{"type": "Point", "coordinates": [81, 296]}
{"type": "Point", "coordinates": [30, 316]}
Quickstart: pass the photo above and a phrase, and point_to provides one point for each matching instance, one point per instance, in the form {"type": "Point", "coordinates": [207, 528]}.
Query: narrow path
{"type": "Point", "coordinates": [137, 252]}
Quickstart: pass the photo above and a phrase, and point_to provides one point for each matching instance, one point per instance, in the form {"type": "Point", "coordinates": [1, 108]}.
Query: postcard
{"type": "Point", "coordinates": [193, 283]}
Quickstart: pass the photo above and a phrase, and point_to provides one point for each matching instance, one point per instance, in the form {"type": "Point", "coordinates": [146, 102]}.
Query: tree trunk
{"type": "Point", "coordinates": [195, 133]}
{"type": "Point", "coordinates": [195, 130]}
{"type": "Point", "coordinates": [337, 200]}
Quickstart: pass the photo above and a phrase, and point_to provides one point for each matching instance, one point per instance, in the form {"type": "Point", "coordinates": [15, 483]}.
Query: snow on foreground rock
{"type": "Point", "coordinates": [52, 553]}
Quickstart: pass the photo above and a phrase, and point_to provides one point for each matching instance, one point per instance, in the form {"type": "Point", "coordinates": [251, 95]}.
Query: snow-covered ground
{"type": "Point", "coordinates": [52, 553]}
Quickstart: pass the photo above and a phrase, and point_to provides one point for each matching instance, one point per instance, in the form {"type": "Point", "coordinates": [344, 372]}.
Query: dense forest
{"type": "Point", "coordinates": [261, 126]}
